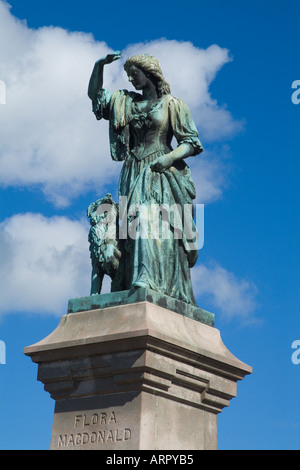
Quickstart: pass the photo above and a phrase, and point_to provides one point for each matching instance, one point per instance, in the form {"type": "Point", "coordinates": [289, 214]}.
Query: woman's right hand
{"type": "Point", "coordinates": [110, 58]}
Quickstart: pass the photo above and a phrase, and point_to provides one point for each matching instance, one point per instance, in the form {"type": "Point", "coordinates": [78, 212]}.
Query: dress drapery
{"type": "Point", "coordinates": [139, 137]}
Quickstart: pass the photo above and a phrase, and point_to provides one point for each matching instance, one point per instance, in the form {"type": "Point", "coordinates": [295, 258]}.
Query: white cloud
{"type": "Point", "coordinates": [211, 174]}
{"type": "Point", "coordinates": [43, 263]}
{"type": "Point", "coordinates": [48, 134]}
{"type": "Point", "coordinates": [232, 297]}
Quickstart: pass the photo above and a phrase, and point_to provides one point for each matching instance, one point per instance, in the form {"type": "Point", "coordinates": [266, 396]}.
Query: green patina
{"type": "Point", "coordinates": [142, 125]}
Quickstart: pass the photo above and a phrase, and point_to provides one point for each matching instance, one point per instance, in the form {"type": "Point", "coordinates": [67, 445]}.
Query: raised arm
{"type": "Point", "coordinates": [96, 80]}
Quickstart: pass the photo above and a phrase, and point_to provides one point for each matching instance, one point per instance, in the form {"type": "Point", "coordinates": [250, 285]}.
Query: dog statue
{"type": "Point", "coordinates": [103, 238]}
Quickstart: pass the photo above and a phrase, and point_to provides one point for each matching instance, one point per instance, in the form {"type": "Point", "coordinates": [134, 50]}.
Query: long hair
{"type": "Point", "coordinates": [151, 67]}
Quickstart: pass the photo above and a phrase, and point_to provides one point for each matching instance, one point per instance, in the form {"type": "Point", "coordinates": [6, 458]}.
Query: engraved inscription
{"type": "Point", "coordinates": [94, 429]}
{"type": "Point", "coordinates": [96, 418]}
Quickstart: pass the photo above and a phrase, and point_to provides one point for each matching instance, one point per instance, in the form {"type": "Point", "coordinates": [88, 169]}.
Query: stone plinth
{"type": "Point", "coordinates": [128, 297]}
{"type": "Point", "coordinates": [136, 376]}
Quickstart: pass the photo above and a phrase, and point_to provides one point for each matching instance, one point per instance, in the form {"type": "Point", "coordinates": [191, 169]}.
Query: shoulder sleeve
{"type": "Point", "coordinates": [183, 126]}
{"type": "Point", "coordinates": [101, 105]}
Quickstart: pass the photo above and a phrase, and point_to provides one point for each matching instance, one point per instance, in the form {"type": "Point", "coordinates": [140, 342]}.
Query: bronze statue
{"type": "Point", "coordinates": [141, 128]}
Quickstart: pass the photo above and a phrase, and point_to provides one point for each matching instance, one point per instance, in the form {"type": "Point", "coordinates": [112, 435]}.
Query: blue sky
{"type": "Point", "coordinates": [234, 64]}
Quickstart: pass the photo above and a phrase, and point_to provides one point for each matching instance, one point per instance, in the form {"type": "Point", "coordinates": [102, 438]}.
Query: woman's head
{"type": "Point", "coordinates": [151, 68]}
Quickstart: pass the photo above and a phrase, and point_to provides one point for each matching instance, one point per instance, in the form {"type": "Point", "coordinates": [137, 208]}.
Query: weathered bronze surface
{"type": "Point", "coordinates": [154, 175]}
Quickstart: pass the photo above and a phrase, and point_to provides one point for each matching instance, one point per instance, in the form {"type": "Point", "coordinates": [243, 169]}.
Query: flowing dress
{"type": "Point", "coordinates": [139, 137]}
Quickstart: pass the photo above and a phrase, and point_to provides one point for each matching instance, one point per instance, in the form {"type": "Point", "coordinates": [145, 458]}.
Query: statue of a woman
{"type": "Point", "coordinates": [142, 126]}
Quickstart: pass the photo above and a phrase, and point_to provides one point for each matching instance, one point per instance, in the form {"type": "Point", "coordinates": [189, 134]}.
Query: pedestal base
{"type": "Point", "coordinates": [134, 377]}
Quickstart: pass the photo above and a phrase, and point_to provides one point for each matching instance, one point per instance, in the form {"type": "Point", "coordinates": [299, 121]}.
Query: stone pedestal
{"type": "Point", "coordinates": [135, 376]}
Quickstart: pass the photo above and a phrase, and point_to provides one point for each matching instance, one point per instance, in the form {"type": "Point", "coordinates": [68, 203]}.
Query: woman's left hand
{"type": "Point", "coordinates": [162, 163]}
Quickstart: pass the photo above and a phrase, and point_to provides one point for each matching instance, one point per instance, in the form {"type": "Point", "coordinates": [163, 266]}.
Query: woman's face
{"type": "Point", "coordinates": [137, 77]}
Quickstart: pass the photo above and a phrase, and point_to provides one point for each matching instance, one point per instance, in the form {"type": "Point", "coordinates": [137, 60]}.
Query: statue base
{"type": "Point", "coordinates": [135, 376]}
